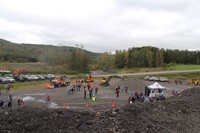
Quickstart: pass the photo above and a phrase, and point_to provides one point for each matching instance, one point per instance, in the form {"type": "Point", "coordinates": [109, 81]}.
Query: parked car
{"type": "Point", "coordinates": [50, 76]}
{"type": "Point", "coordinates": [105, 69]}
{"type": "Point", "coordinates": [163, 79]}
{"type": "Point", "coordinates": [34, 78]}
{"type": "Point", "coordinates": [154, 78]}
{"type": "Point", "coordinates": [4, 81]}
{"type": "Point", "coordinates": [41, 77]}
{"type": "Point", "coordinates": [26, 77]}
{"type": "Point", "coordinates": [11, 80]}
{"type": "Point", "coordinates": [19, 79]}
{"type": "Point", "coordinates": [147, 77]}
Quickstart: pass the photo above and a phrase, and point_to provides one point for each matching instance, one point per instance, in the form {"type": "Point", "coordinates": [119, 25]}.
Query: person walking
{"type": "Point", "coordinates": [126, 89]}
{"type": "Point", "coordinates": [20, 102]}
{"type": "Point", "coordinates": [10, 103]}
{"type": "Point", "coordinates": [96, 89]}
{"type": "Point", "coordinates": [90, 92]}
{"type": "Point", "coordinates": [10, 96]}
{"type": "Point", "coordinates": [53, 88]}
{"type": "Point", "coordinates": [8, 87]}
{"type": "Point", "coordinates": [117, 91]}
{"type": "Point", "coordinates": [85, 92]}
{"type": "Point", "coordinates": [122, 89]}
{"type": "Point", "coordinates": [68, 90]}
{"type": "Point", "coordinates": [88, 86]}
{"type": "Point", "coordinates": [48, 98]}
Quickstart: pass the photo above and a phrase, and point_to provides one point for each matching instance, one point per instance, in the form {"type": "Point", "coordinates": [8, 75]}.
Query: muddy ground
{"type": "Point", "coordinates": [179, 113]}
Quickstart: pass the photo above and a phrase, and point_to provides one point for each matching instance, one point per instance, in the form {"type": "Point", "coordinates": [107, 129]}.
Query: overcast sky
{"type": "Point", "coordinates": [103, 25]}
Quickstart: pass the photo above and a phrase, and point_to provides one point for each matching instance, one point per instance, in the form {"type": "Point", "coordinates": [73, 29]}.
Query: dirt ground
{"type": "Point", "coordinates": [105, 97]}
{"type": "Point", "coordinates": [179, 113]}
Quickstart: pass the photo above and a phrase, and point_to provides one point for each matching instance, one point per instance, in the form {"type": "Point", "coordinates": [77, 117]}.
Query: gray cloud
{"type": "Point", "coordinates": [103, 25]}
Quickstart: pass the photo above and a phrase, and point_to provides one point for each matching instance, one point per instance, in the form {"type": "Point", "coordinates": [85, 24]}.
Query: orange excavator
{"type": "Point", "coordinates": [59, 81]}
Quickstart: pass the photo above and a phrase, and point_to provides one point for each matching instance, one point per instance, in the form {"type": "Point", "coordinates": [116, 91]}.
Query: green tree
{"type": "Point", "coordinates": [159, 58]}
{"type": "Point", "coordinates": [119, 59]}
{"type": "Point", "coordinates": [149, 57]}
{"type": "Point", "coordinates": [79, 61]}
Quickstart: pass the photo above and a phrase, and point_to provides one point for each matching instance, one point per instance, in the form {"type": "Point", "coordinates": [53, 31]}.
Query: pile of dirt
{"type": "Point", "coordinates": [180, 113]}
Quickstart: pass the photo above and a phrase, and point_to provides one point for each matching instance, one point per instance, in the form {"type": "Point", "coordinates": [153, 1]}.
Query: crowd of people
{"type": "Point", "coordinates": [89, 91]}
{"type": "Point", "coordinates": [141, 97]}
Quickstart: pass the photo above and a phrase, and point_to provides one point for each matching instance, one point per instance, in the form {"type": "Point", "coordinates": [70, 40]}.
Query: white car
{"type": "Point", "coordinates": [147, 77]}
{"type": "Point", "coordinates": [163, 79]}
{"type": "Point", "coordinates": [50, 76]}
{"type": "Point", "coordinates": [154, 78]}
{"type": "Point", "coordinates": [11, 80]}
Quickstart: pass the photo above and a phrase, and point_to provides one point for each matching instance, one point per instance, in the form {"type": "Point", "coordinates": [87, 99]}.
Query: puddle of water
{"type": "Point", "coordinates": [28, 98]}
{"type": "Point", "coordinates": [41, 101]}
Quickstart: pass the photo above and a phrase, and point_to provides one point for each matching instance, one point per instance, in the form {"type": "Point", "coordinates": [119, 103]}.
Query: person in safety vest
{"type": "Point", "coordinates": [93, 98]}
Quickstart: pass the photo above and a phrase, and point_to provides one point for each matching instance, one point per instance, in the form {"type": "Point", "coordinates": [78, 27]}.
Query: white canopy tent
{"type": "Point", "coordinates": [156, 86]}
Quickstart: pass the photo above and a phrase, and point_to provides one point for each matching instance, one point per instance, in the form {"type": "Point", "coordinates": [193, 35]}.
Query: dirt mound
{"type": "Point", "coordinates": [180, 113]}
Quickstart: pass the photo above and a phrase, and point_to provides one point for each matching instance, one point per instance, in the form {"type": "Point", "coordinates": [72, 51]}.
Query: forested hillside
{"type": "Point", "coordinates": [12, 52]}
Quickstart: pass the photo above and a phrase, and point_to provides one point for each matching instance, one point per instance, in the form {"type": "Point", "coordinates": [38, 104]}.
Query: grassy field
{"type": "Point", "coordinates": [136, 70]}
{"type": "Point", "coordinates": [27, 67]}
{"type": "Point", "coordinates": [27, 85]}
{"type": "Point", "coordinates": [184, 76]}
{"type": "Point", "coordinates": [187, 67]}
{"type": "Point", "coordinates": [44, 68]}
{"type": "Point", "coordinates": [176, 67]}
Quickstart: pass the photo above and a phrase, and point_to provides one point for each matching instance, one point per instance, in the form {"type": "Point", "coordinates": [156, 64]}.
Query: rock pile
{"type": "Point", "coordinates": [180, 113]}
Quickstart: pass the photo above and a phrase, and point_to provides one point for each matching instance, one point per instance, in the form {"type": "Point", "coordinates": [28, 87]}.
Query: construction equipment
{"type": "Point", "coordinates": [59, 81]}
{"type": "Point", "coordinates": [105, 81]}
{"type": "Point", "coordinates": [89, 79]}
{"type": "Point", "coordinates": [194, 81]}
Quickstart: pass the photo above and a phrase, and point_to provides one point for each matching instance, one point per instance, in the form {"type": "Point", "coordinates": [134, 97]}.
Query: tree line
{"type": "Point", "coordinates": [154, 57]}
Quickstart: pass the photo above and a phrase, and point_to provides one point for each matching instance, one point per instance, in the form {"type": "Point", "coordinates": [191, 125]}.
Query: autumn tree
{"type": "Point", "coordinates": [106, 60]}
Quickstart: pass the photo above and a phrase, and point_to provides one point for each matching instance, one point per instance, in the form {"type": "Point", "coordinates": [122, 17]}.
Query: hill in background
{"type": "Point", "coordinates": [14, 52]}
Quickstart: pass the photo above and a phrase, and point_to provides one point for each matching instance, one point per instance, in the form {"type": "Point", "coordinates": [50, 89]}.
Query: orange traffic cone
{"type": "Point", "coordinates": [86, 105]}
{"type": "Point", "coordinates": [64, 106]}
{"type": "Point", "coordinates": [113, 104]}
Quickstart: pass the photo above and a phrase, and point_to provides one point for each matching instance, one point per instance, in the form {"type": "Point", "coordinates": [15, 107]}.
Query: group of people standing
{"type": "Point", "coordinates": [91, 93]}
{"type": "Point", "coordinates": [123, 89]}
